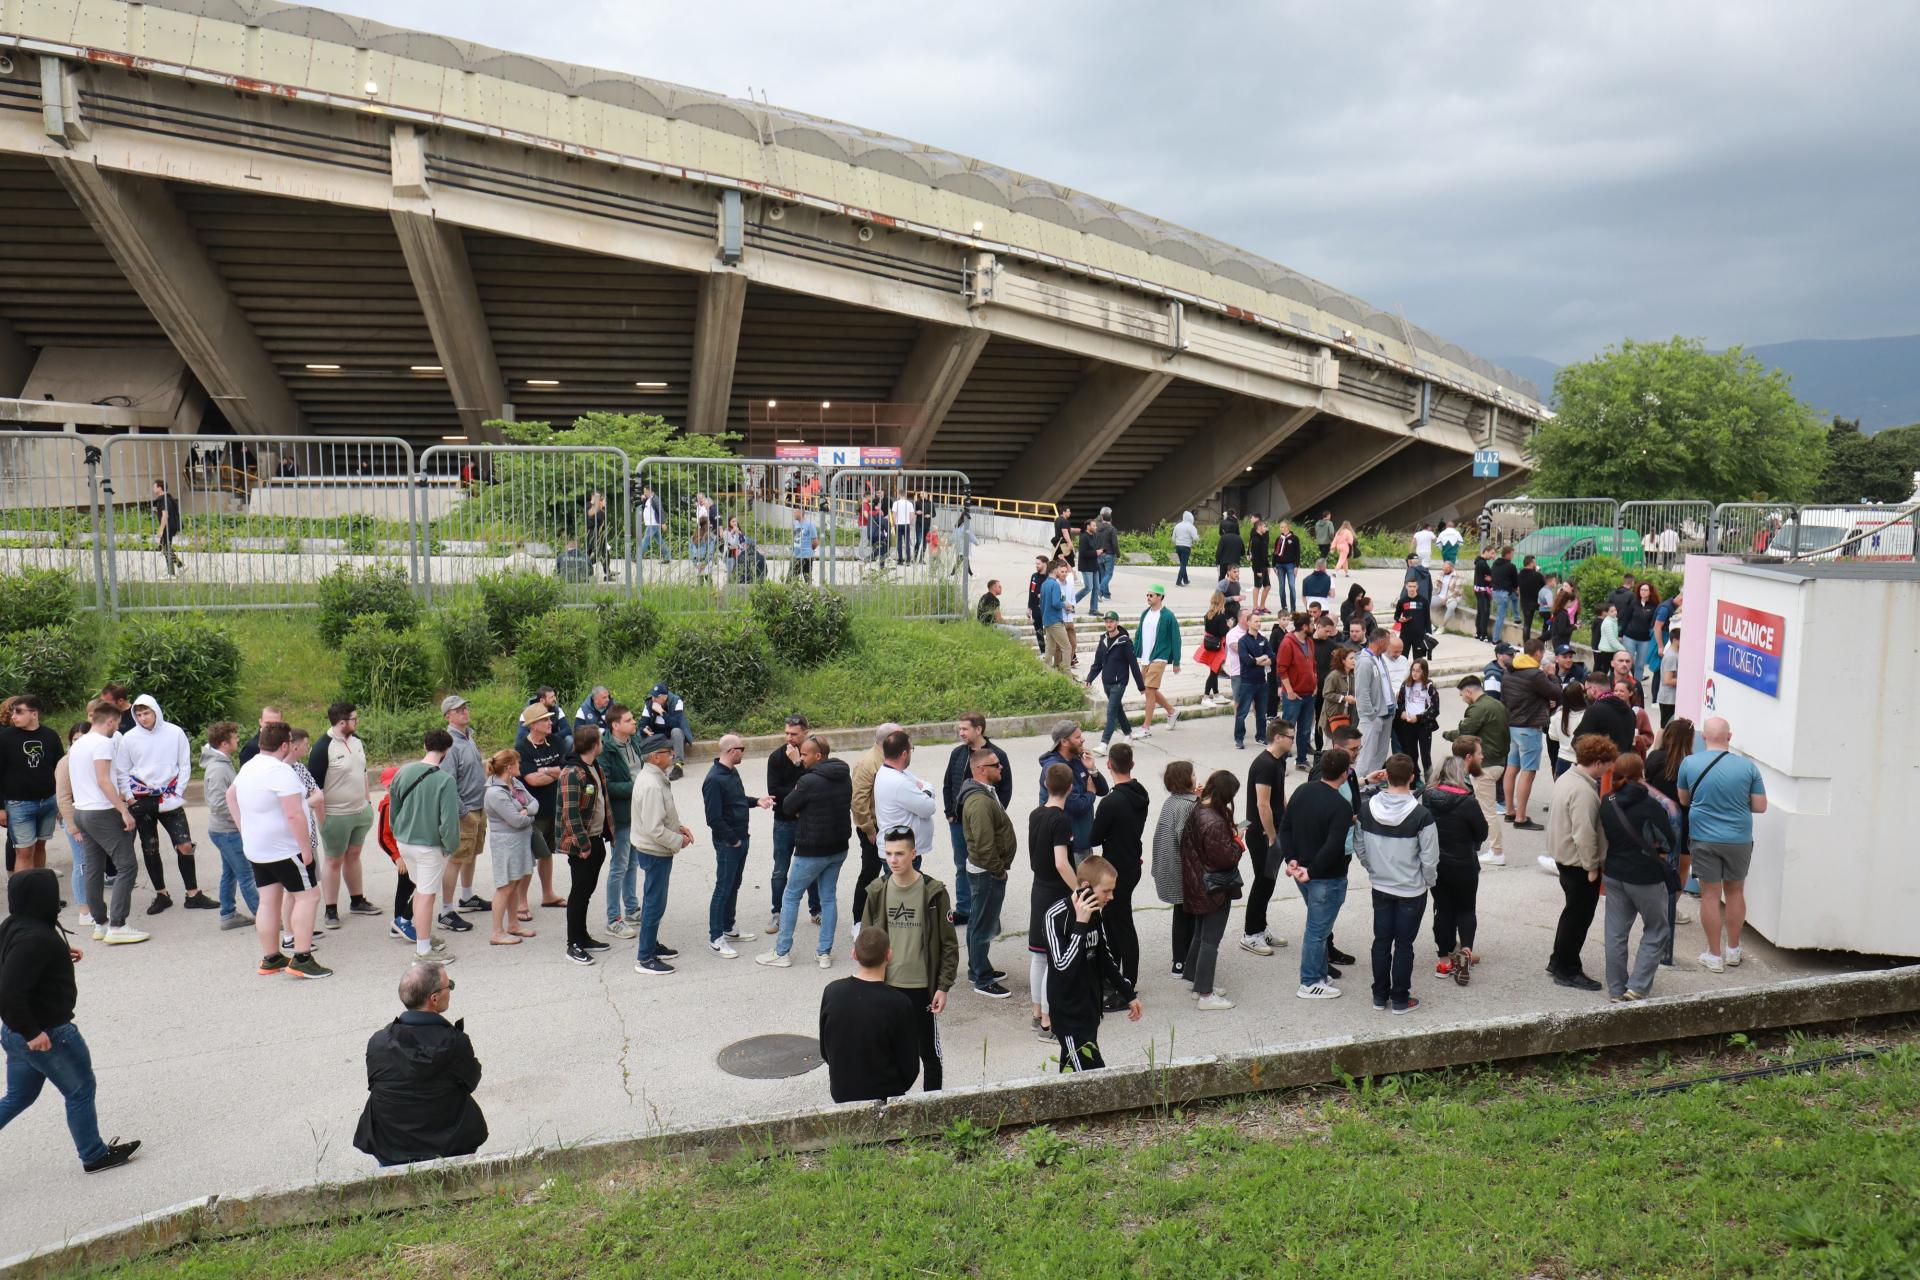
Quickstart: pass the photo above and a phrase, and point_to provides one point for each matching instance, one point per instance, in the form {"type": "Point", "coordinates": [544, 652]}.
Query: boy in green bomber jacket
{"type": "Point", "coordinates": [911, 909]}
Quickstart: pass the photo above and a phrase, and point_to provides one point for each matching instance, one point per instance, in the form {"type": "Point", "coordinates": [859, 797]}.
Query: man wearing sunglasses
{"type": "Point", "coordinates": [421, 1074]}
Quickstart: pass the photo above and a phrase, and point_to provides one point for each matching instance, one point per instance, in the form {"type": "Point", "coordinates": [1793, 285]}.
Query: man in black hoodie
{"type": "Point", "coordinates": [1606, 714]}
{"type": "Point", "coordinates": [37, 995]}
{"type": "Point", "coordinates": [421, 1074]}
{"type": "Point", "coordinates": [821, 806]}
{"type": "Point", "coordinates": [1119, 830]}
{"type": "Point", "coordinates": [1079, 962]}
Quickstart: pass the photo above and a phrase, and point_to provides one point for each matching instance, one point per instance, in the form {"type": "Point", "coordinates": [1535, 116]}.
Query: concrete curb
{"type": "Point", "coordinates": [1018, 1102]}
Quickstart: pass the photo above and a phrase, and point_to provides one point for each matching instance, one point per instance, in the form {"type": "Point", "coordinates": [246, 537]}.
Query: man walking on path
{"type": "Point", "coordinates": [166, 518]}
{"type": "Point", "coordinates": [728, 807]}
{"type": "Point", "coordinates": [658, 835]}
{"type": "Point", "coordinates": [912, 909]}
{"type": "Point", "coordinates": [991, 846]}
{"type": "Point", "coordinates": [1157, 642]}
{"type": "Point", "coordinates": [971, 730]}
{"type": "Point", "coordinates": [1721, 792]}
{"type": "Point", "coordinates": [1113, 662]}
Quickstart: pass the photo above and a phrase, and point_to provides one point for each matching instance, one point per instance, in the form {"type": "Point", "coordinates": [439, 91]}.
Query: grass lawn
{"type": "Point", "coordinates": [1474, 1173]}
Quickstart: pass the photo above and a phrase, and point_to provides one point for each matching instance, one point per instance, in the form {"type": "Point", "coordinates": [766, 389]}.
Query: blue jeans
{"type": "Point", "coordinates": [1324, 899]}
{"type": "Point", "coordinates": [1396, 925]}
{"type": "Point", "coordinates": [1082, 824]}
{"type": "Point", "coordinates": [623, 879]}
{"type": "Point", "coordinates": [730, 864]}
{"type": "Point", "coordinates": [962, 882]}
{"type": "Point", "coordinates": [1106, 576]}
{"type": "Point", "coordinates": [1184, 553]}
{"type": "Point", "coordinates": [1298, 712]}
{"type": "Point", "coordinates": [653, 901]}
{"type": "Point", "coordinates": [79, 852]}
{"type": "Point", "coordinates": [1503, 605]}
{"type": "Point", "coordinates": [1089, 586]}
{"type": "Point", "coordinates": [807, 871]}
{"type": "Point", "coordinates": [70, 1067]}
{"type": "Point", "coordinates": [1117, 721]}
{"type": "Point", "coordinates": [1638, 650]}
{"type": "Point", "coordinates": [651, 536]}
{"type": "Point", "coordinates": [782, 858]}
{"type": "Point", "coordinates": [983, 922]}
{"type": "Point", "coordinates": [1249, 693]}
{"type": "Point", "coordinates": [1289, 586]}
{"type": "Point", "coordinates": [236, 873]}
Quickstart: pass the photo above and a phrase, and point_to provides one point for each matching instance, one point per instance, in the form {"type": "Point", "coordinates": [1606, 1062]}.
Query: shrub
{"type": "Point", "coordinates": [55, 664]}
{"type": "Point", "coordinates": [382, 667]}
{"type": "Point", "coordinates": [511, 597]}
{"type": "Point", "coordinates": [361, 532]}
{"type": "Point", "coordinates": [805, 625]}
{"type": "Point", "coordinates": [555, 648]}
{"type": "Point", "coordinates": [348, 593]}
{"type": "Point", "coordinates": [627, 628]}
{"type": "Point", "coordinates": [720, 665]}
{"type": "Point", "coordinates": [38, 598]}
{"type": "Point", "coordinates": [189, 663]}
{"type": "Point", "coordinates": [394, 733]}
{"type": "Point", "coordinates": [1596, 577]}
{"type": "Point", "coordinates": [466, 644]}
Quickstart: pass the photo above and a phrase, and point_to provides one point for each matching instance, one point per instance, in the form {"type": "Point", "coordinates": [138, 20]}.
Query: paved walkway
{"type": "Point", "coordinates": [235, 1081]}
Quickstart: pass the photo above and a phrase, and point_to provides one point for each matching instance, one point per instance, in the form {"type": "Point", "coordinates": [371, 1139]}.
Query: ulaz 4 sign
{"type": "Point", "coordinates": [1748, 646]}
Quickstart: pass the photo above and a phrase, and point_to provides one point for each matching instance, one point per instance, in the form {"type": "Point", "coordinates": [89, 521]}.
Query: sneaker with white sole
{"type": "Point", "coordinates": [1218, 990]}
{"type": "Point", "coordinates": [735, 935]}
{"type": "Point", "coordinates": [1492, 859]}
{"type": "Point", "coordinates": [825, 959]}
{"type": "Point", "coordinates": [1173, 719]}
{"type": "Point", "coordinates": [1098, 748]}
{"type": "Point", "coordinates": [1143, 732]}
{"type": "Point", "coordinates": [1255, 943]}
{"type": "Point", "coordinates": [125, 935]}
{"type": "Point", "coordinates": [774, 960]}
{"type": "Point", "coordinates": [1712, 963]}
{"type": "Point", "coordinates": [1210, 1003]}
{"type": "Point", "coordinates": [99, 933]}
{"type": "Point", "coordinates": [1733, 957]}
{"type": "Point", "coordinates": [1318, 991]}
{"type": "Point", "coordinates": [621, 929]}
{"type": "Point", "coordinates": [1547, 864]}
{"type": "Point", "coordinates": [720, 948]}
{"type": "Point", "coordinates": [1274, 940]}
{"type": "Point", "coordinates": [1681, 915]}
{"type": "Point", "coordinates": [237, 920]}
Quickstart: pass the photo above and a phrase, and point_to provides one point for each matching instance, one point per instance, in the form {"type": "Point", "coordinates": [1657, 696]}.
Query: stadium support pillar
{"type": "Point", "coordinates": [1339, 460]}
{"type": "Point", "coordinates": [716, 343]}
{"type": "Point", "coordinates": [155, 247]}
{"type": "Point", "coordinates": [1218, 454]}
{"type": "Point", "coordinates": [1374, 498]}
{"type": "Point", "coordinates": [937, 368]}
{"type": "Point", "coordinates": [1103, 406]}
{"type": "Point", "coordinates": [1458, 498]}
{"type": "Point", "coordinates": [16, 360]}
{"type": "Point", "coordinates": [443, 280]}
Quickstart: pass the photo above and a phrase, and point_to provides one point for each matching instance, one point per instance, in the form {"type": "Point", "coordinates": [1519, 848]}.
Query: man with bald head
{"type": "Point", "coordinates": [728, 809]}
{"type": "Point", "coordinates": [421, 1074]}
{"type": "Point", "coordinates": [1721, 792]}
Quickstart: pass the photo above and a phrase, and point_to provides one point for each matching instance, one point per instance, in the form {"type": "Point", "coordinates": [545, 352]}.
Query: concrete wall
{"type": "Point", "coordinates": [329, 497]}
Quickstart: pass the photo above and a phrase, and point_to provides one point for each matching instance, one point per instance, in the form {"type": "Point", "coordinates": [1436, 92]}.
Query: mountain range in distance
{"type": "Point", "coordinates": [1876, 380]}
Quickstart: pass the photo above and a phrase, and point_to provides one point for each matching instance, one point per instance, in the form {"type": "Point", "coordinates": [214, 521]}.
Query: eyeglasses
{"type": "Point", "coordinates": [449, 987]}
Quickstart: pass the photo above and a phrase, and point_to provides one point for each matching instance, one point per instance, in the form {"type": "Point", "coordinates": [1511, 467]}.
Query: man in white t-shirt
{"type": "Point", "coordinates": [1423, 545]}
{"type": "Point", "coordinates": [902, 529]}
{"type": "Point", "coordinates": [269, 805]}
{"type": "Point", "coordinates": [106, 824]}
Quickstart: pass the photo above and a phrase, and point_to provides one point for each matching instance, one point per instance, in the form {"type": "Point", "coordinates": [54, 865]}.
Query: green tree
{"type": "Point", "coordinates": [1864, 468]}
{"type": "Point", "coordinates": [1672, 420]}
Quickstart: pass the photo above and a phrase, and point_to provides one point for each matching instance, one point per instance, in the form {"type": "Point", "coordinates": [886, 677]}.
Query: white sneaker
{"type": "Point", "coordinates": [1319, 991]}
{"type": "Point", "coordinates": [1491, 859]}
{"type": "Point", "coordinates": [99, 933]}
{"type": "Point", "coordinates": [1733, 957]}
{"type": "Point", "coordinates": [773, 924]}
{"type": "Point", "coordinates": [1257, 944]}
{"type": "Point", "coordinates": [734, 935]}
{"type": "Point", "coordinates": [1173, 719]}
{"type": "Point", "coordinates": [1274, 940]}
{"type": "Point", "coordinates": [720, 948]}
{"type": "Point", "coordinates": [1682, 916]}
{"type": "Point", "coordinates": [1098, 748]}
{"type": "Point", "coordinates": [1218, 990]}
{"type": "Point", "coordinates": [1712, 963]}
{"type": "Point", "coordinates": [856, 931]}
{"type": "Point", "coordinates": [826, 959]}
{"type": "Point", "coordinates": [1206, 700]}
{"type": "Point", "coordinates": [124, 934]}
{"type": "Point", "coordinates": [1142, 732]}
{"type": "Point", "coordinates": [621, 929]}
{"type": "Point", "coordinates": [1547, 865]}
{"type": "Point", "coordinates": [774, 960]}
{"type": "Point", "coordinates": [86, 922]}
{"type": "Point", "coordinates": [1208, 1004]}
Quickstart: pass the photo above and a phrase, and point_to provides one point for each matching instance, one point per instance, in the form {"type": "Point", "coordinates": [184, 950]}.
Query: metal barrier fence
{"type": "Point", "coordinates": [707, 529]}
{"type": "Point", "coordinates": [1748, 528]}
{"type": "Point", "coordinates": [1846, 532]}
{"type": "Point", "coordinates": [912, 535]}
{"type": "Point", "coordinates": [1666, 531]}
{"type": "Point", "coordinates": [559, 509]}
{"type": "Point", "coordinates": [50, 507]}
{"type": "Point", "coordinates": [1559, 532]}
{"type": "Point", "coordinates": [187, 529]}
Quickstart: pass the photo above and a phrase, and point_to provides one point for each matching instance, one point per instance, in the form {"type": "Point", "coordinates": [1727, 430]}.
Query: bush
{"type": "Point", "coordinates": [1596, 577]}
{"type": "Point", "coordinates": [805, 625]}
{"type": "Point", "coordinates": [555, 648]}
{"type": "Point", "coordinates": [511, 597]}
{"type": "Point", "coordinates": [466, 644]}
{"type": "Point", "coordinates": [627, 628]}
{"type": "Point", "coordinates": [381, 667]}
{"type": "Point", "coordinates": [55, 664]}
{"type": "Point", "coordinates": [720, 665]}
{"type": "Point", "coordinates": [349, 593]}
{"type": "Point", "coordinates": [394, 733]}
{"type": "Point", "coordinates": [38, 598]}
{"type": "Point", "coordinates": [361, 533]}
{"type": "Point", "coordinates": [189, 663]}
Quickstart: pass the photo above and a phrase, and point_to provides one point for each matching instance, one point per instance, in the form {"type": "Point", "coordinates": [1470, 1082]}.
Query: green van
{"type": "Point", "coordinates": [1558, 548]}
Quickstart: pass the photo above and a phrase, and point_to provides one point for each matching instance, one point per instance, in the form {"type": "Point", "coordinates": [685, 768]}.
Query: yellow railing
{"type": "Point", "coordinates": [1021, 508]}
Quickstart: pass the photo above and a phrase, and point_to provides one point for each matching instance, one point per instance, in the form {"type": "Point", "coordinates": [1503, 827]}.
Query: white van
{"type": "Point", "coordinates": [1855, 533]}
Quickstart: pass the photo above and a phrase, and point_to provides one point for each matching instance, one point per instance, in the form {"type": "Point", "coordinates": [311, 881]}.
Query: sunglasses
{"type": "Point", "coordinates": [449, 987]}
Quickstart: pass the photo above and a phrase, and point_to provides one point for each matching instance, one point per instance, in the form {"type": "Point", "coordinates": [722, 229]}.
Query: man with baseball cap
{"type": "Point", "coordinates": [1157, 641]}
{"type": "Point", "coordinates": [657, 835]}
{"type": "Point", "coordinates": [664, 715]}
{"type": "Point", "coordinates": [470, 776]}
{"type": "Point", "coordinates": [541, 757]}
{"type": "Point", "coordinates": [1113, 662]}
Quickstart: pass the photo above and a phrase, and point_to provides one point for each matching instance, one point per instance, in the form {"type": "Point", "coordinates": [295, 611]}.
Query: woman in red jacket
{"type": "Point", "coordinates": [1209, 849]}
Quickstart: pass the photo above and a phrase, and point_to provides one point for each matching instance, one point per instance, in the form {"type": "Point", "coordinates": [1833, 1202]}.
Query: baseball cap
{"type": "Point", "coordinates": [1111, 616]}
{"type": "Point", "coordinates": [1063, 731]}
{"type": "Point", "coordinates": [1565, 648]}
{"type": "Point", "coordinates": [658, 691]}
{"type": "Point", "coordinates": [452, 702]}
{"type": "Point", "coordinates": [1156, 590]}
{"type": "Point", "coordinates": [1505, 650]}
{"type": "Point", "coordinates": [656, 742]}
{"type": "Point", "coordinates": [535, 711]}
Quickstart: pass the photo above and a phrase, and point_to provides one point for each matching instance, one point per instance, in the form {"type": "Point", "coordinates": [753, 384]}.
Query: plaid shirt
{"type": "Point", "coordinates": [583, 812]}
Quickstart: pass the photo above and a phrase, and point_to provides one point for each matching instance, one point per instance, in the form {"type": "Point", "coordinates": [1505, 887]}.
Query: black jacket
{"type": "Point", "coordinates": [1232, 550]}
{"type": "Point", "coordinates": [1460, 824]}
{"type": "Point", "coordinates": [37, 990]}
{"type": "Point", "coordinates": [1482, 572]}
{"type": "Point", "coordinates": [1503, 576]}
{"type": "Point", "coordinates": [1612, 717]}
{"type": "Point", "coordinates": [421, 1074]}
{"type": "Point", "coordinates": [1114, 660]}
{"type": "Point", "coordinates": [821, 806]}
{"type": "Point", "coordinates": [1531, 580]}
{"type": "Point", "coordinates": [1079, 962]}
{"type": "Point", "coordinates": [782, 773]}
{"type": "Point", "coordinates": [1119, 826]}
{"type": "Point", "coordinates": [1531, 696]}
{"type": "Point", "coordinates": [1286, 548]}
{"type": "Point", "coordinates": [1258, 544]}
{"type": "Point", "coordinates": [1313, 830]}
{"type": "Point", "coordinates": [1636, 622]}
{"type": "Point", "coordinates": [1638, 834]}
{"type": "Point", "coordinates": [870, 1040]}
{"type": "Point", "coordinates": [960, 769]}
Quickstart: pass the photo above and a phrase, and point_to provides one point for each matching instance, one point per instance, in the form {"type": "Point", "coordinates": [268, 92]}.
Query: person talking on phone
{"type": "Point", "coordinates": [1080, 961]}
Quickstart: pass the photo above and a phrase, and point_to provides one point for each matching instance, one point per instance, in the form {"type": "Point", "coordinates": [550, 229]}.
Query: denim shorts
{"type": "Point", "coordinates": [1524, 747]}
{"type": "Point", "coordinates": [32, 821]}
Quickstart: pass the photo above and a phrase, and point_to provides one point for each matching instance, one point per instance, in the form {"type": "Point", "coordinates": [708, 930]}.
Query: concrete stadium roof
{"type": "Point", "coordinates": [777, 150]}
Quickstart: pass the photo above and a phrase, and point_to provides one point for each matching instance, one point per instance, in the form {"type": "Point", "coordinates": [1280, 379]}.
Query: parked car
{"type": "Point", "coordinates": [1558, 548]}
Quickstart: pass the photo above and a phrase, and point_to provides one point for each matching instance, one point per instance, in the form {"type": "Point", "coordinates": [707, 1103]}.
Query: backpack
{"type": "Point", "coordinates": [383, 818]}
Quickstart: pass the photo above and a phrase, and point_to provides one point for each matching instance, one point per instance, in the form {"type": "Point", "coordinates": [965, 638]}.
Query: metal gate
{"type": "Point", "coordinates": [708, 529]}
{"type": "Point", "coordinates": [260, 519]}
{"type": "Point", "coordinates": [899, 541]}
{"type": "Point", "coordinates": [1749, 528]}
{"type": "Point", "coordinates": [1560, 532]}
{"type": "Point", "coordinates": [50, 507]}
{"type": "Point", "coordinates": [550, 509]}
{"type": "Point", "coordinates": [1666, 532]}
{"type": "Point", "coordinates": [1853, 531]}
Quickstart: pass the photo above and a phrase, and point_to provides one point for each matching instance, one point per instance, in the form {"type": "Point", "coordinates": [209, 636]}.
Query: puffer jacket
{"type": "Point", "coordinates": [1461, 824]}
{"type": "Point", "coordinates": [1167, 830]}
{"type": "Point", "coordinates": [821, 807]}
{"type": "Point", "coordinates": [1530, 695]}
{"type": "Point", "coordinates": [1208, 844]}
{"type": "Point", "coordinates": [1397, 843]}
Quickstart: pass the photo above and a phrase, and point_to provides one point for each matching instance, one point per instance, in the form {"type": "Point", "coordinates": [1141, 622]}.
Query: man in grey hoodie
{"type": "Point", "coordinates": [236, 876]}
{"type": "Point", "coordinates": [1185, 534]}
{"type": "Point", "coordinates": [1398, 844]}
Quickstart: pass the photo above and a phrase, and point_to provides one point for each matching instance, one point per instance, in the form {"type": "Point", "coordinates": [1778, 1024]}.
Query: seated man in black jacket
{"type": "Point", "coordinates": [421, 1074]}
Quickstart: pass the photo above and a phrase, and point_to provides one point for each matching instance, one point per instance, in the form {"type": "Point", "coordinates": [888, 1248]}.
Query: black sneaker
{"type": "Point", "coordinates": [579, 955]}
{"type": "Point", "coordinates": [997, 975]}
{"type": "Point", "coordinates": [453, 923]}
{"type": "Point", "coordinates": [331, 920]}
{"type": "Point", "coordinates": [160, 903]}
{"type": "Point", "coordinates": [991, 990]}
{"type": "Point", "coordinates": [1114, 1004]}
{"type": "Point", "coordinates": [654, 968]}
{"type": "Point", "coordinates": [118, 1153]}
{"type": "Point", "coordinates": [1334, 974]}
{"type": "Point", "coordinates": [1528, 825]}
{"type": "Point", "coordinates": [473, 902]}
{"type": "Point", "coordinates": [664, 951]}
{"type": "Point", "coordinates": [361, 907]}
{"type": "Point", "coordinates": [198, 901]}
{"type": "Point", "coordinates": [1338, 956]}
{"type": "Point", "coordinates": [1578, 981]}
{"type": "Point", "coordinates": [594, 944]}
{"type": "Point", "coordinates": [676, 774]}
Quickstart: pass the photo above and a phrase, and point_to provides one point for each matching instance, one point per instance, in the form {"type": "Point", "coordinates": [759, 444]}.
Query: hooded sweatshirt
{"type": "Point", "coordinates": [154, 761]}
{"type": "Point", "coordinates": [216, 767]}
{"type": "Point", "coordinates": [37, 990]}
{"type": "Point", "coordinates": [1186, 533]}
{"type": "Point", "coordinates": [1398, 844]}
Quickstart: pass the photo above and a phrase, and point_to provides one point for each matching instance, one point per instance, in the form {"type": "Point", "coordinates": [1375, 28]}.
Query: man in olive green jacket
{"type": "Point", "coordinates": [1486, 719]}
{"type": "Point", "coordinates": [992, 846]}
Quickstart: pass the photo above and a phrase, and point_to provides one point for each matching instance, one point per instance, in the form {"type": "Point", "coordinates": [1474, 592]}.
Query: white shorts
{"type": "Point", "coordinates": [425, 863]}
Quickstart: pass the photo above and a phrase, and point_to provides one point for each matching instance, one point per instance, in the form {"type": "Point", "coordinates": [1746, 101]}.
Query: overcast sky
{"type": "Point", "coordinates": [1525, 179]}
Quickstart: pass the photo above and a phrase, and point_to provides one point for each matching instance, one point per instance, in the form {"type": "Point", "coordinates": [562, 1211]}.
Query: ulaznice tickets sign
{"type": "Point", "coordinates": [1748, 646]}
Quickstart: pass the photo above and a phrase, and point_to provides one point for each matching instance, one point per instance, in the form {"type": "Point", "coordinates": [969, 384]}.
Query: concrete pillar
{"type": "Point", "coordinates": [1309, 479]}
{"type": "Point", "coordinates": [16, 360]}
{"type": "Point", "coordinates": [1458, 498]}
{"type": "Point", "coordinates": [1103, 406]}
{"type": "Point", "coordinates": [156, 249]}
{"type": "Point", "coordinates": [937, 368]}
{"type": "Point", "coordinates": [1376, 496]}
{"type": "Point", "coordinates": [1217, 455]}
{"type": "Point", "coordinates": [716, 343]}
{"type": "Point", "coordinates": [443, 279]}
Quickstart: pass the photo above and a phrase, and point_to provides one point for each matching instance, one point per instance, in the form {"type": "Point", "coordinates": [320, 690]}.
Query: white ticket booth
{"type": "Point", "coordinates": [1817, 669]}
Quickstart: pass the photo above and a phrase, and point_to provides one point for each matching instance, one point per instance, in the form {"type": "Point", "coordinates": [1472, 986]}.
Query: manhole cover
{"type": "Point", "coordinates": [770, 1057]}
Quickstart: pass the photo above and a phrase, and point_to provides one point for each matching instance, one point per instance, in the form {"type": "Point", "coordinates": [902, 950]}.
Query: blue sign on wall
{"type": "Point", "coordinates": [1486, 463]}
